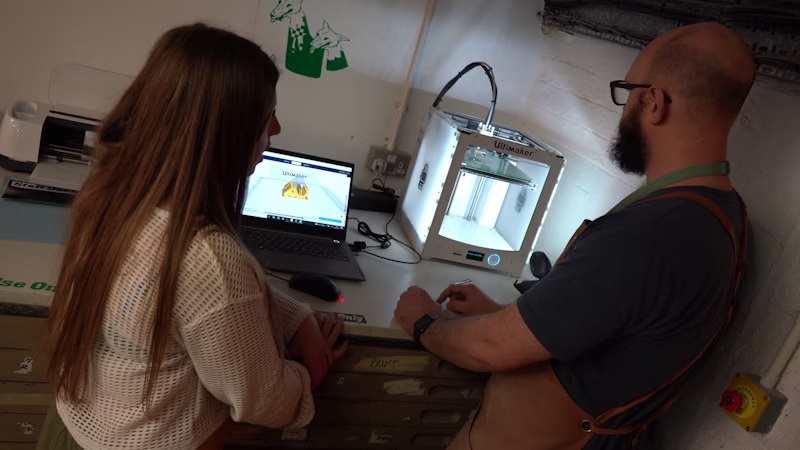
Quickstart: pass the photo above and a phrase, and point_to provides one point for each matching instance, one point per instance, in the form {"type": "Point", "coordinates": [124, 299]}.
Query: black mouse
{"type": "Point", "coordinates": [316, 284]}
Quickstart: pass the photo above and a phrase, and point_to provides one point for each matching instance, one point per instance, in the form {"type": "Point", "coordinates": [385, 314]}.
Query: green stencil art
{"type": "Point", "coordinates": [326, 39]}
{"type": "Point", "coordinates": [304, 54]}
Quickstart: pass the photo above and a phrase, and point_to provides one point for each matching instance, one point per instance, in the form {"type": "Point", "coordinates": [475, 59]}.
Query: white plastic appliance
{"type": "Point", "coordinates": [479, 192]}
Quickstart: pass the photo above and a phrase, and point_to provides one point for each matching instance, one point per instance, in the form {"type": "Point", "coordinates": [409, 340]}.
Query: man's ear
{"type": "Point", "coordinates": [655, 106]}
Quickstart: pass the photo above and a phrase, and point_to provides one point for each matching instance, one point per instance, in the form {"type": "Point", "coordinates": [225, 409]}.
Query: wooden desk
{"type": "Point", "coordinates": [385, 393]}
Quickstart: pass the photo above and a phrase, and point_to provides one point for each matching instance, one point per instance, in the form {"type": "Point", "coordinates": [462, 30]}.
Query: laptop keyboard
{"type": "Point", "coordinates": [296, 245]}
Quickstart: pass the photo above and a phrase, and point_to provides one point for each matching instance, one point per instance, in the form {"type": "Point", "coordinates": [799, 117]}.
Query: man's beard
{"type": "Point", "coordinates": [629, 149]}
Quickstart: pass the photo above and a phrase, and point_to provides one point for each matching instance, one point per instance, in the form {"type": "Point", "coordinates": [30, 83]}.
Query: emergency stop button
{"type": "Point", "coordinates": [732, 400]}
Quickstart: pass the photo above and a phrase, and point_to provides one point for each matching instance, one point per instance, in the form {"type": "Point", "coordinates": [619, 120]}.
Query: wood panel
{"type": "Point", "coordinates": [357, 386]}
{"type": "Point", "coordinates": [23, 365]}
{"type": "Point", "coordinates": [23, 333]}
{"type": "Point", "coordinates": [392, 361]}
{"type": "Point", "coordinates": [20, 427]}
{"type": "Point", "coordinates": [17, 446]}
{"type": "Point", "coordinates": [328, 437]}
{"type": "Point", "coordinates": [20, 387]}
{"type": "Point", "coordinates": [340, 437]}
{"type": "Point", "coordinates": [396, 414]}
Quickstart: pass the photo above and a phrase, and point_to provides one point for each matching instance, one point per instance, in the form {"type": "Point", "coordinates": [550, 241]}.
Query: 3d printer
{"type": "Point", "coordinates": [479, 192]}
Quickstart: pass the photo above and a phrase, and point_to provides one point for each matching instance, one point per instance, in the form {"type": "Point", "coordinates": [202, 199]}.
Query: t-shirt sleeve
{"type": "Point", "coordinates": [583, 301]}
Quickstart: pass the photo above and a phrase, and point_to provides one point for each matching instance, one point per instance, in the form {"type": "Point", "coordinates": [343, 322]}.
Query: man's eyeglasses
{"type": "Point", "coordinates": [621, 90]}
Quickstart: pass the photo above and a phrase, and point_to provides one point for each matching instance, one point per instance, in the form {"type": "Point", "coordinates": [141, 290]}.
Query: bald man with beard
{"type": "Point", "coordinates": [597, 350]}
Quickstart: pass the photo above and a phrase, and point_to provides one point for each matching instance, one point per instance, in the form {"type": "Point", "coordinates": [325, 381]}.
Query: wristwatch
{"type": "Point", "coordinates": [422, 324]}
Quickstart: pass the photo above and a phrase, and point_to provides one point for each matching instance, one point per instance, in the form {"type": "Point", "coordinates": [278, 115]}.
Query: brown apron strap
{"type": "Point", "coordinates": [610, 414]}
{"type": "Point", "coordinates": [741, 263]}
{"type": "Point", "coordinates": [739, 250]}
{"type": "Point", "coordinates": [658, 413]}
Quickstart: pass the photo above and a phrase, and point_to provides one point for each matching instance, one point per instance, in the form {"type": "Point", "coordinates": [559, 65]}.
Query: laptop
{"type": "Point", "coordinates": [295, 215]}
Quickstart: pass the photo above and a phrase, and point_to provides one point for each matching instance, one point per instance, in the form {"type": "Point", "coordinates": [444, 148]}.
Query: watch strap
{"type": "Point", "coordinates": [422, 324]}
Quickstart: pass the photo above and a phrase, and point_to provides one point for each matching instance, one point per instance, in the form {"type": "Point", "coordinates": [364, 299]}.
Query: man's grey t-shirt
{"type": "Point", "coordinates": [637, 298]}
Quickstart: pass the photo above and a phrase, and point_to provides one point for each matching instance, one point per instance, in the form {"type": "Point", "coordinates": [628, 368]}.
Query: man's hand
{"type": "Point", "coordinates": [468, 299]}
{"type": "Point", "coordinates": [314, 343]}
{"type": "Point", "coordinates": [413, 304]}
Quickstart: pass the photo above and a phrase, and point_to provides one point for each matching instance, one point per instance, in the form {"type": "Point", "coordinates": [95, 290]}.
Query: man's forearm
{"type": "Point", "coordinates": [487, 343]}
{"type": "Point", "coordinates": [465, 342]}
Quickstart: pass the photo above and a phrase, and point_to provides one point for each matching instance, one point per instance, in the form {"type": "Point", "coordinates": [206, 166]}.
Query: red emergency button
{"type": "Point", "coordinates": [732, 400]}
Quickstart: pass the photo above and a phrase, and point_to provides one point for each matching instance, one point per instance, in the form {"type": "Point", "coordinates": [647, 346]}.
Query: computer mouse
{"type": "Point", "coordinates": [316, 284]}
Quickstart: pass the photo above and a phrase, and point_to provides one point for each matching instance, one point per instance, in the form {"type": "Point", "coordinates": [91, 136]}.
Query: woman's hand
{"type": "Point", "coordinates": [467, 299]}
{"type": "Point", "coordinates": [314, 345]}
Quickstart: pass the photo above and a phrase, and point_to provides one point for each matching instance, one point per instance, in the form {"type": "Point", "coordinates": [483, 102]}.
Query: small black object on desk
{"type": "Point", "coordinates": [540, 267]}
{"type": "Point", "coordinates": [372, 200]}
{"type": "Point", "coordinates": [316, 284]}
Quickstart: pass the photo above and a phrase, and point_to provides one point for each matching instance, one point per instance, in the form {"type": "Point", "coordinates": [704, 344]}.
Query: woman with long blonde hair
{"type": "Point", "coordinates": [163, 328]}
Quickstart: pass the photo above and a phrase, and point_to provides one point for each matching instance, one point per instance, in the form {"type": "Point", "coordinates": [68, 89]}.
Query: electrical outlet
{"type": "Point", "coordinates": [382, 161]}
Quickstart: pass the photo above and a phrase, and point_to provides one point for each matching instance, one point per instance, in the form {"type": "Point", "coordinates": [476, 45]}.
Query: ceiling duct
{"type": "Point", "coordinates": [771, 28]}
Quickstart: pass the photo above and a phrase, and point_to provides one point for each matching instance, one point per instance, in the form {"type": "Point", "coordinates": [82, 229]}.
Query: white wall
{"type": "Point", "coordinates": [504, 33]}
{"type": "Point", "coordinates": [551, 85]}
{"type": "Point", "coordinates": [37, 35]}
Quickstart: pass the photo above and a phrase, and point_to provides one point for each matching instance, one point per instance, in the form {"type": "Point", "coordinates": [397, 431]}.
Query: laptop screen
{"type": "Point", "coordinates": [298, 189]}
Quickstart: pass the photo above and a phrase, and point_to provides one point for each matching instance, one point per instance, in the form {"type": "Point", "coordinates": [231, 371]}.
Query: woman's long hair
{"type": "Point", "coordinates": [182, 137]}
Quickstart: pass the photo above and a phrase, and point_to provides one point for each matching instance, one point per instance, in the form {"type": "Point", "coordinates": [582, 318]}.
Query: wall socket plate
{"type": "Point", "coordinates": [383, 162]}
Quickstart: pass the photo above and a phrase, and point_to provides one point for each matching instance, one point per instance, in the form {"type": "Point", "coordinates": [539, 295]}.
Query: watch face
{"type": "Point", "coordinates": [422, 324]}
{"type": "Point", "coordinates": [422, 321]}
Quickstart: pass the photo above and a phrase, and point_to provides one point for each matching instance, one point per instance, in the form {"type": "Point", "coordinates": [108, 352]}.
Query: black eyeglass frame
{"type": "Point", "coordinates": [622, 84]}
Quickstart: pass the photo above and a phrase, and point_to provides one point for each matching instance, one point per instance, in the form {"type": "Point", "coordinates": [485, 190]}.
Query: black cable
{"type": "Point", "coordinates": [419, 257]}
{"type": "Point", "coordinates": [386, 230]}
{"type": "Point", "coordinates": [382, 186]}
{"type": "Point", "coordinates": [280, 278]}
{"type": "Point", "coordinates": [489, 73]}
{"type": "Point", "coordinates": [384, 240]}
{"type": "Point", "coordinates": [390, 259]}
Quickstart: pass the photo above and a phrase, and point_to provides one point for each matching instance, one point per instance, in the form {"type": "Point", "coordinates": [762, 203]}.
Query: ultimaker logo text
{"type": "Point", "coordinates": [500, 145]}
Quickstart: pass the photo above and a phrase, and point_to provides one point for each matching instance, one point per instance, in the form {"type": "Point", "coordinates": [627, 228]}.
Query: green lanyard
{"type": "Point", "coordinates": [701, 170]}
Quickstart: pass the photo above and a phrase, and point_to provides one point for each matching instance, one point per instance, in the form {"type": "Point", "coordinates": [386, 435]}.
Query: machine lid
{"type": "Point", "coordinates": [86, 89]}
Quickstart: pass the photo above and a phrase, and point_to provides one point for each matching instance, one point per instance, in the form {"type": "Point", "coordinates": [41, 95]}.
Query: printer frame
{"type": "Point", "coordinates": [443, 146]}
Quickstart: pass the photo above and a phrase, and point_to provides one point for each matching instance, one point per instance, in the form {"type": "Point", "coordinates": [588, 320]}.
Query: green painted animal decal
{"type": "Point", "coordinates": [330, 41]}
{"type": "Point", "coordinates": [304, 53]}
